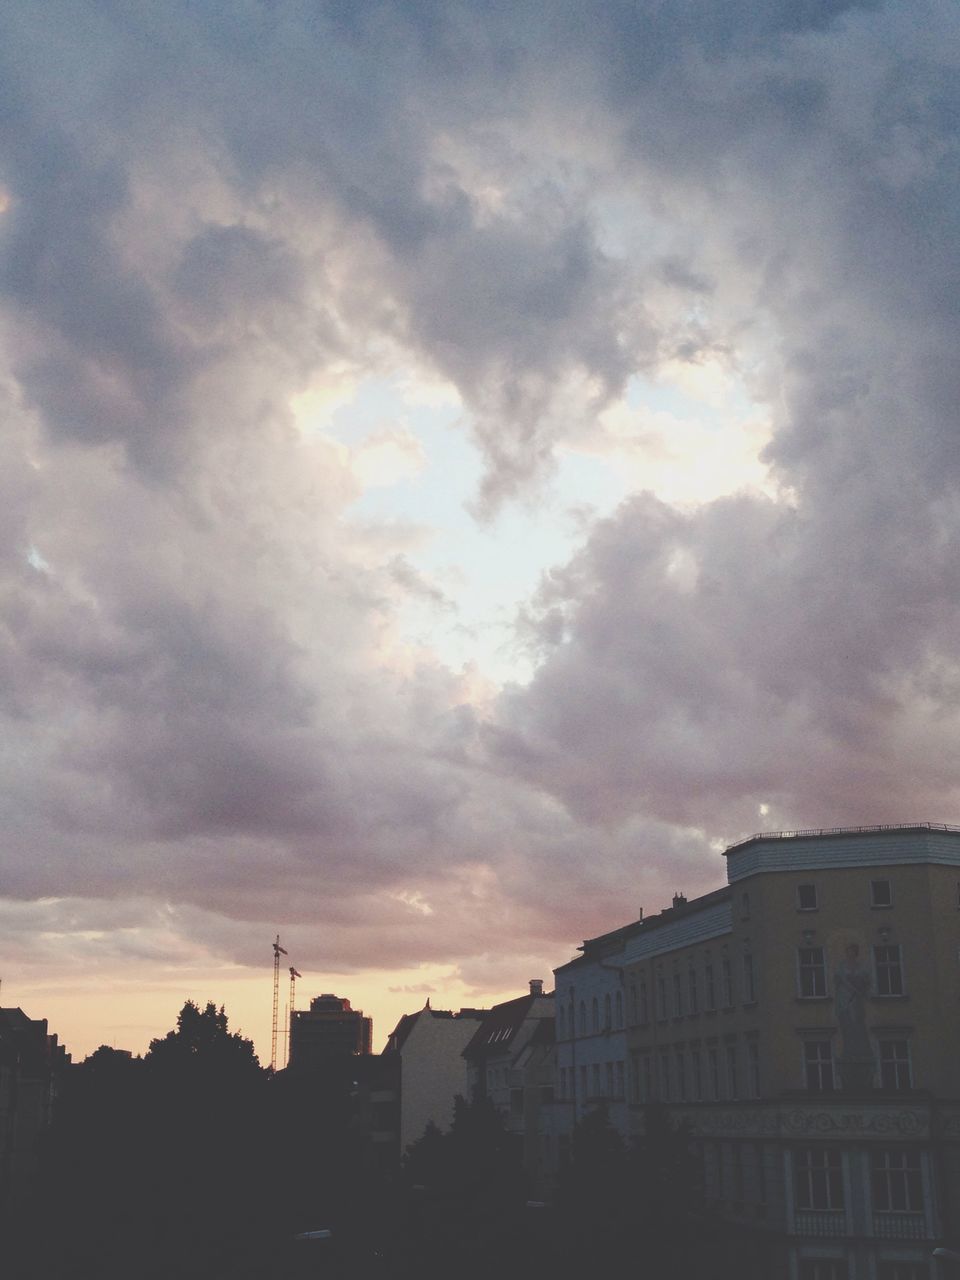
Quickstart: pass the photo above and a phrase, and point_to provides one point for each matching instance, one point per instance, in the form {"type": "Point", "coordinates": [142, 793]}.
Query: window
{"type": "Point", "coordinates": [732, 1085]}
{"type": "Point", "coordinates": [881, 893]}
{"type": "Point", "coordinates": [561, 1023]}
{"type": "Point", "coordinates": [618, 1004]}
{"type": "Point", "coordinates": [895, 1065]}
{"type": "Point", "coordinates": [563, 1082]}
{"type": "Point", "coordinates": [823, 1269]}
{"type": "Point", "coordinates": [595, 1080]}
{"type": "Point", "coordinates": [889, 971]}
{"type": "Point", "coordinates": [595, 1014]}
{"type": "Point", "coordinates": [726, 975]}
{"type": "Point", "coordinates": [818, 1065]}
{"type": "Point", "coordinates": [819, 1184]}
{"type": "Point", "coordinates": [632, 1004]}
{"type": "Point", "coordinates": [661, 997]}
{"type": "Point", "coordinates": [749, 984]}
{"type": "Point", "coordinates": [812, 972]}
{"type": "Point", "coordinates": [711, 987]}
{"type": "Point", "coordinates": [692, 990]}
{"type": "Point", "coordinates": [713, 1063]}
{"type": "Point", "coordinates": [647, 1067]}
{"type": "Point", "coordinates": [664, 1076]}
{"type": "Point", "coordinates": [897, 1184]}
{"type": "Point", "coordinates": [681, 1073]}
{"type": "Point", "coordinates": [583, 1084]}
{"type": "Point", "coordinates": [806, 897]}
{"type": "Point", "coordinates": [744, 906]}
{"type": "Point", "coordinates": [583, 1018]}
{"type": "Point", "coordinates": [618, 1084]}
{"type": "Point", "coordinates": [677, 995]}
{"type": "Point", "coordinates": [753, 1066]}
{"type": "Point", "coordinates": [609, 1080]}
{"type": "Point", "coordinates": [902, 1271]}
{"type": "Point", "coordinates": [635, 1076]}
{"type": "Point", "coordinates": [696, 1065]}
{"type": "Point", "coordinates": [607, 1013]}
{"type": "Point", "coordinates": [644, 1003]}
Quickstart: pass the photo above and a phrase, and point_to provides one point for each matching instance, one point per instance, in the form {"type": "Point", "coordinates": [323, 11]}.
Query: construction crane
{"type": "Point", "coordinates": [278, 951]}
{"type": "Point", "coordinates": [294, 975]}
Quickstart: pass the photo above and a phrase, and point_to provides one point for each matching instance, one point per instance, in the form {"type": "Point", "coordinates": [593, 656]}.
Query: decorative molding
{"type": "Point", "coordinates": [858, 1123]}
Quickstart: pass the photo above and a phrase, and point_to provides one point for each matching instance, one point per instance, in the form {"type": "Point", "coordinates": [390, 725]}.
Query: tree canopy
{"type": "Point", "coordinates": [202, 1040]}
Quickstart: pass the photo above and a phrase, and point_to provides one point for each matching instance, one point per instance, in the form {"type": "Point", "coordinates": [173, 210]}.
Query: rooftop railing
{"type": "Point", "coordinates": [843, 831]}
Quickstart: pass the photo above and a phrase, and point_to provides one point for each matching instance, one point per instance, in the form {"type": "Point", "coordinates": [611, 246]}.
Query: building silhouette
{"type": "Point", "coordinates": [801, 1024]}
{"type": "Point", "coordinates": [427, 1050]}
{"type": "Point", "coordinates": [330, 1030]}
{"type": "Point", "coordinates": [33, 1066]}
{"type": "Point", "coordinates": [510, 1060]}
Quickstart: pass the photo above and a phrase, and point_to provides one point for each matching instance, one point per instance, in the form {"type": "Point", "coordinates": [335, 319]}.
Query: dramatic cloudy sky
{"type": "Point", "coordinates": [462, 464]}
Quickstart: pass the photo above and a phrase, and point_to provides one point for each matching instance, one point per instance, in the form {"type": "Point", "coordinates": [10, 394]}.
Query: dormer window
{"type": "Point", "coordinates": [806, 897]}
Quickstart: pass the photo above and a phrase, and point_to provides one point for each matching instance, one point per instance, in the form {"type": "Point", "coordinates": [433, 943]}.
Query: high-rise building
{"type": "Point", "coordinates": [329, 1030]}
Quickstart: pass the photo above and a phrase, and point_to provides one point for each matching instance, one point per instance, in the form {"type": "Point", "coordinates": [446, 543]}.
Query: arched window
{"type": "Point", "coordinates": [619, 1008]}
{"type": "Point", "coordinates": [607, 1015]}
{"type": "Point", "coordinates": [596, 1014]}
{"type": "Point", "coordinates": [583, 1018]}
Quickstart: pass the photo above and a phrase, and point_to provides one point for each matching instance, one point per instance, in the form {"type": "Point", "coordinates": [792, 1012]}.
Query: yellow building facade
{"type": "Point", "coordinates": [803, 1023]}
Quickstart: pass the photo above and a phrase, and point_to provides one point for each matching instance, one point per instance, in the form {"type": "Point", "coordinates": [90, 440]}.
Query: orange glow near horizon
{"type": "Point", "coordinates": [128, 1014]}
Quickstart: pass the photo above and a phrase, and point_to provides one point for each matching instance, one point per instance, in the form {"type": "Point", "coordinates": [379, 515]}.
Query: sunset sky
{"type": "Point", "coordinates": [463, 464]}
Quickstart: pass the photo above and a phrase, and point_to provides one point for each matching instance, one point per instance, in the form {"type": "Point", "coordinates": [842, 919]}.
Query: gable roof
{"type": "Point", "coordinates": [501, 1025]}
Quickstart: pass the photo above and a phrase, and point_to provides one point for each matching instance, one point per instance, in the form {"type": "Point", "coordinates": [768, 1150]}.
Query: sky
{"type": "Point", "coordinates": [462, 465]}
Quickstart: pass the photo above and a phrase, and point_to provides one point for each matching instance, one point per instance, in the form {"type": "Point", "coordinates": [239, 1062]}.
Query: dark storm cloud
{"type": "Point", "coordinates": [209, 206]}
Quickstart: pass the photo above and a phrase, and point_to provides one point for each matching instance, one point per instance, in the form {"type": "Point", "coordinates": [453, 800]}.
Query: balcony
{"type": "Point", "coordinates": [899, 1226]}
{"type": "Point", "coordinates": [820, 1222]}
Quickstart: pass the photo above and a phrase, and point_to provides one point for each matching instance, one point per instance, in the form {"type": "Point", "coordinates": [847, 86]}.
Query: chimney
{"type": "Point", "coordinates": [536, 986]}
{"type": "Point", "coordinates": [679, 900]}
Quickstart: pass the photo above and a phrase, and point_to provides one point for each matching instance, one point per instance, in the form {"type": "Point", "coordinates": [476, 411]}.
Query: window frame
{"type": "Point", "coordinates": [818, 1172]}
{"type": "Point", "coordinates": [898, 1179]}
{"type": "Point", "coordinates": [881, 906]}
{"type": "Point", "coordinates": [887, 968]}
{"type": "Point", "coordinates": [753, 1067]}
{"type": "Point", "coordinates": [815, 905]}
{"type": "Point", "coordinates": [817, 1066]}
{"type": "Point", "coordinates": [896, 1063]}
{"type": "Point", "coordinates": [749, 979]}
{"type": "Point", "coordinates": [811, 968]}
{"type": "Point", "coordinates": [731, 1066]}
{"type": "Point", "coordinates": [726, 982]}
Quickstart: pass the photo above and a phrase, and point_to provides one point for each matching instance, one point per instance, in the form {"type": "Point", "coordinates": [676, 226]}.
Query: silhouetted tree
{"type": "Point", "coordinates": [466, 1192]}
{"type": "Point", "coordinates": [202, 1041]}
{"type": "Point", "coordinates": [156, 1166]}
{"type": "Point", "coordinates": [595, 1198]}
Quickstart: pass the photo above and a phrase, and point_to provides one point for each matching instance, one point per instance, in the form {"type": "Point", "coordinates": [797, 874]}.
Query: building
{"type": "Point", "coordinates": [327, 1031]}
{"type": "Point", "coordinates": [591, 1035]}
{"type": "Point", "coordinates": [428, 1048]}
{"type": "Point", "coordinates": [802, 1024]}
{"type": "Point", "coordinates": [511, 1060]}
{"type": "Point", "coordinates": [32, 1068]}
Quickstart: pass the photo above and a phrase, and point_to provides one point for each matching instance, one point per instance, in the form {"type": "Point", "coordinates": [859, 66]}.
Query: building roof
{"type": "Point", "coordinates": [501, 1024]}
{"type": "Point", "coordinates": [595, 949]}
{"type": "Point", "coordinates": [813, 832]}
{"type": "Point", "coordinates": [398, 1036]}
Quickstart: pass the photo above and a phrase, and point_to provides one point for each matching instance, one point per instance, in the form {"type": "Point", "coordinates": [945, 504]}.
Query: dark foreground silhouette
{"type": "Point", "coordinates": [194, 1162]}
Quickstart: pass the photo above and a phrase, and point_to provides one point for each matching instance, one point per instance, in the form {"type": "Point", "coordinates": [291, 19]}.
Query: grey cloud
{"type": "Point", "coordinates": [209, 205]}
